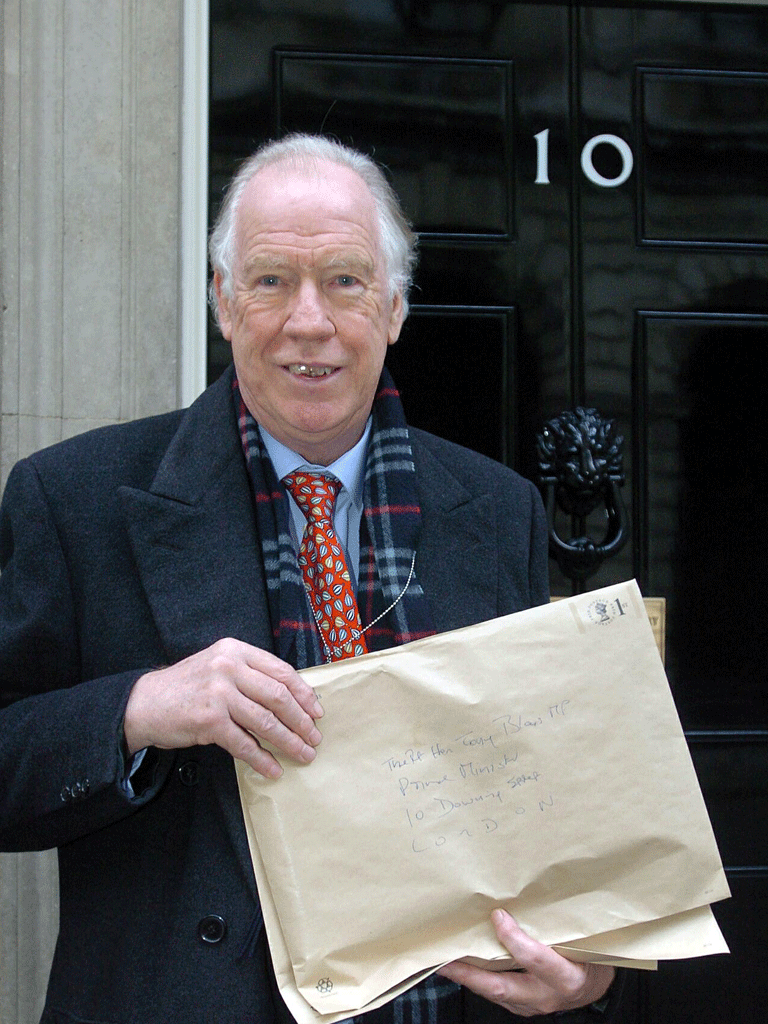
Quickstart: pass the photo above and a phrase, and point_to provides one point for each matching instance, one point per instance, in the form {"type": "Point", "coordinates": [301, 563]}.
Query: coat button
{"type": "Point", "coordinates": [189, 773]}
{"type": "Point", "coordinates": [212, 929]}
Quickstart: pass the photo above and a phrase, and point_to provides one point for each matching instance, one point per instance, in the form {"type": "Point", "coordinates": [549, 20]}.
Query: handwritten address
{"type": "Point", "coordinates": [452, 789]}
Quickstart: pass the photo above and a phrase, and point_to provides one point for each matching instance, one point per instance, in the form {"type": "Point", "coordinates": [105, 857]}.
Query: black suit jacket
{"type": "Point", "coordinates": [131, 547]}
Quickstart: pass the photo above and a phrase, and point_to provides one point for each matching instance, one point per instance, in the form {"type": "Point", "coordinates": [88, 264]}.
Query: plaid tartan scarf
{"type": "Point", "coordinates": [388, 534]}
{"type": "Point", "coordinates": [389, 531]}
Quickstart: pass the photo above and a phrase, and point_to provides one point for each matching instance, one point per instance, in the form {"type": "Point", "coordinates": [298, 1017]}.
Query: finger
{"type": "Point", "coordinates": [258, 688]}
{"type": "Point", "coordinates": [557, 983]}
{"type": "Point", "coordinates": [243, 746]}
{"type": "Point", "coordinates": [534, 957]}
{"type": "Point", "coordinates": [507, 988]}
{"type": "Point", "coordinates": [462, 974]}
{"type": "Point", "coordinates": [273, 667]}
{"type": "Point", "coordinates": [274, 712]}
{"type": "Point", "coordinates": [296, 737]}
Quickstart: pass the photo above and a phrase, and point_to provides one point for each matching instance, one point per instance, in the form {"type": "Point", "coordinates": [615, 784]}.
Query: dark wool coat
{"type": "Point", "coordinates": [131, 547]}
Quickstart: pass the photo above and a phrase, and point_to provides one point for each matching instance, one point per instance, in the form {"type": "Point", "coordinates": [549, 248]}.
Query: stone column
{"type": "Point", "coordinates": [90, 133]}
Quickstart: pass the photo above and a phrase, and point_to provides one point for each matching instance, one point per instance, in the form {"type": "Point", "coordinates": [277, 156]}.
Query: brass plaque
{"type": "Point", "coordinates": [656, 609]}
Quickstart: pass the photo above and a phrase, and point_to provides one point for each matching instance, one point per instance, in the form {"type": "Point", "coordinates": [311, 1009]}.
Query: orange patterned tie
{"type": "Point", "coordinates": [324, 567]}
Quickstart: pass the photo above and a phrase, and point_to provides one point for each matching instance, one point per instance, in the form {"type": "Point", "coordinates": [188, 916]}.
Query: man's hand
{"type": "Point", "coordinates": [231, 694]}
{"type": "Point", "coordinates": [548, 982]}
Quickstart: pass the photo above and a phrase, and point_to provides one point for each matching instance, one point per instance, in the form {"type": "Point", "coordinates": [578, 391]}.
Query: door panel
{"type": "Point", "coordinates": [434, 373]}
{"type": "Point", "coordinates": [443, 128]}
{"type": "Point", "coordinates": [590, 186]}
{"type": "Point", "coordinates": [697, 433]}
{"type": "Point", "coordinates": [702, 187]}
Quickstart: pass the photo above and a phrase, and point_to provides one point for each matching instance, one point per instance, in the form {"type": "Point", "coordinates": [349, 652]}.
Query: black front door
{"type": "Point", "coordinates": [590, 186]}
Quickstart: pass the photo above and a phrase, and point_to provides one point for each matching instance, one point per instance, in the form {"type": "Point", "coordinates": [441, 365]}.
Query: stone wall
{"type": "Point", "coordinates": [90, 135]}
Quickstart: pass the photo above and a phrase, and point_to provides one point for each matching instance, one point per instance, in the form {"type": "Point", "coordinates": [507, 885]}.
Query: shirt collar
{"type": "Point", "coordinates": [349, 468]}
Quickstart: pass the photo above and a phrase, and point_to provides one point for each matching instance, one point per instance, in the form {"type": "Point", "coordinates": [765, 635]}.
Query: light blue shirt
{"type": "Point", "coordinates": [349, 470]}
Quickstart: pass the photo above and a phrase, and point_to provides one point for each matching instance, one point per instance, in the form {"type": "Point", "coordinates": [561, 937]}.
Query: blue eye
{"type": "Point", "coordinates": [269, 280]}
{"type": "Point", "coordinates": [346, 280]}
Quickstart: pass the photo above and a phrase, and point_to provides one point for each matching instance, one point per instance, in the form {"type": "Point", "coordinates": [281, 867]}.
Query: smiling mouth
{"type": "Point", "coordinates": [303, 370]}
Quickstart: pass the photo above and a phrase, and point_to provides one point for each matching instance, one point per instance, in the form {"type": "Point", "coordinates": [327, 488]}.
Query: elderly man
{"type": "Point", "coordinates": [190, 542]}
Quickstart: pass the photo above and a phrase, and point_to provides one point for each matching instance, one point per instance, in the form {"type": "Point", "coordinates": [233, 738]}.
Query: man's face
{"type": "Point", "coordinates": [310, 317]}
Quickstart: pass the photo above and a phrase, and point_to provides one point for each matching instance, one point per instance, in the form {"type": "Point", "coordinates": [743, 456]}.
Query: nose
{"type": "Point", "coordinates": [308, 315]}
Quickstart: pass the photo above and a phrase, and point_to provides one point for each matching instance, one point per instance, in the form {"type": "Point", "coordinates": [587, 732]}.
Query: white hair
{"type": "Point", "coordinates": [398, 241]}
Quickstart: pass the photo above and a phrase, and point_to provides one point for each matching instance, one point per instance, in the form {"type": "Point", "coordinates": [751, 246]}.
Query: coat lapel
{"type": "Point", "coordinates": [196, 547]}
{"type": "Point", "coordinates": [195, 542]}
{"type": "Point", "coordinates": [194, 538]}
{"type": "Point", "coordinates": [457, 550]}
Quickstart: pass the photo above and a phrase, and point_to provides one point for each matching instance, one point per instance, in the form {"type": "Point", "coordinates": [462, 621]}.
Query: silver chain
{"type": "Point", "coordinates": [334, 653]}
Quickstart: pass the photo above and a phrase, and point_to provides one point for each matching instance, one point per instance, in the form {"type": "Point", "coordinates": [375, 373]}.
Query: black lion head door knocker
{"type": "Point", "coordinates": [580, 461]}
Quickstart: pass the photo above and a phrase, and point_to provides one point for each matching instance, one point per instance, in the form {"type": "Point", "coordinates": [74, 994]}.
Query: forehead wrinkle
{"type": "Point", "coordinates": [351, 261]}
{"type": "Point", "coordinates": [267, 260]}
{"type": "Point", "coordinates": [273, 259]}
{"type": "Point", "coordinates": [341, 235]}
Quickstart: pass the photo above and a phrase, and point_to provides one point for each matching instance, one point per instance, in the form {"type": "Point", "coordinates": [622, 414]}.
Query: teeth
{"type": "Point", "coordinates": [310, 371]}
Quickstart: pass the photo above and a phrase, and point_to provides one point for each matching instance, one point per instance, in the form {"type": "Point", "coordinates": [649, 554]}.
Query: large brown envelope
{"type": "Point", "coordinates": [534, 762]}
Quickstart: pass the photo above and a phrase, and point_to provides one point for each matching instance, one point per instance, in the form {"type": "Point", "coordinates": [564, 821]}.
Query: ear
{"type": "Point", "coordinates": [396, 319]}
{"type": "Point", "coordinates": [225, 315]}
